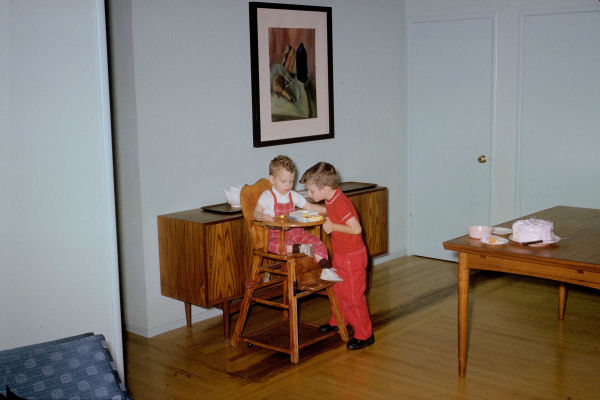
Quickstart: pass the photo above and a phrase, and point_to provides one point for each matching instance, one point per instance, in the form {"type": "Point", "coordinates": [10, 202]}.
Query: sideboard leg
{"type": "Point", "coordinates": [226, 318]}
{"type": "Point", "coordinates": [188, 314]}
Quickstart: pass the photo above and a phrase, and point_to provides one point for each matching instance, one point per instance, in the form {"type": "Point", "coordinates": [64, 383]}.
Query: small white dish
{"type": "Point", "coordinates": [498, 230]}
{"type": "Point", "coordinates": [543, 244]}
{"type": "Point", "coordinates": [478, 231]}
{"type": "Point", "coordinates": [493, 240]}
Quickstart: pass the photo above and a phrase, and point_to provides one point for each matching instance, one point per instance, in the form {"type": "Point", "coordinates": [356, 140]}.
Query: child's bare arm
{"type": "Point", "coordinates": [352, 226]}
{"type": "Point", "coordinates": [315, 207]}
{"type": "Point", "coordinates": [259, 215]}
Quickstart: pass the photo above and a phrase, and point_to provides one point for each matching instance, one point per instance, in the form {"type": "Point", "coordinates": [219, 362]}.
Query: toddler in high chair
{"type": "Point", "coordinates": [281, 200]}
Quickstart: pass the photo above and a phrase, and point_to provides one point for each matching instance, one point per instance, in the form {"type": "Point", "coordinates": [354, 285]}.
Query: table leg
{"type": "Point", "coordinates": [188, 314]}
{"type": "Point", "coordinates": [562, 300]}
{"type": "Point", "coordinates": [463, 311]}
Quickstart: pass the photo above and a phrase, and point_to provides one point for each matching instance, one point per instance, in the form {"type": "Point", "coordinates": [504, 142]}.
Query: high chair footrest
{"type": "Point", "coordinates": [315, 286]}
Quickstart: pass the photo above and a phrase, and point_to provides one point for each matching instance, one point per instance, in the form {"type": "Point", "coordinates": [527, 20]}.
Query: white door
{"type": "Point", "coordinates": [450, 125]}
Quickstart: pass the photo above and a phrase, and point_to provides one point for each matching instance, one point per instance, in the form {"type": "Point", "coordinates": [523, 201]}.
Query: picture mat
{"type": "Point", "coordinates": [275, 18]}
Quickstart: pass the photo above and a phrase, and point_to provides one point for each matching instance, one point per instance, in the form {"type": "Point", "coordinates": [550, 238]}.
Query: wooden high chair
{"type": "Point", "coordinates": [297, 275]}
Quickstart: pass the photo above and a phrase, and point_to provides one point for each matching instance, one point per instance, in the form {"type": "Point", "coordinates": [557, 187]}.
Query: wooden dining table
{"type": "Point", "coordinates": [574, 259]}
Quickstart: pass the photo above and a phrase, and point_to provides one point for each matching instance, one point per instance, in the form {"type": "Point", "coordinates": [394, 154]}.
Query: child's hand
{"type": "Point", "coordinates": [267, 218]}
{"type": "Point", "coordinates": [328, 226]}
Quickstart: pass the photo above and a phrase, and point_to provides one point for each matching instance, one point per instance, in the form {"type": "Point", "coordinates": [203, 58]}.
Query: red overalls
{"type": "Point", "coordinates": [350, 261]}
{"type": "Point", "coordinates": [350, 293]}
{"type": "Point", "coordinates": [294, 235]}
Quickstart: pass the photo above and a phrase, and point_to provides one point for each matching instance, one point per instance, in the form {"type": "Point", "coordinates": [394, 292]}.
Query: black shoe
{"type": "Point", "coordinates": [357, 344]}
{"type": "Point", "coordinates": [327, 328]}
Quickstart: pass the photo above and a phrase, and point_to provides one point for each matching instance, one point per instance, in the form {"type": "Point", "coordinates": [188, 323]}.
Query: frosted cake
{"type": "Point", "coordinates": [530, 230]}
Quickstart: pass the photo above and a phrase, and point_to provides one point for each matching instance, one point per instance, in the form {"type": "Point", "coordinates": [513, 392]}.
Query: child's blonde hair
{"type": "Point", "coordinates": [281, 162]}
{"type": "Point", "coordinates": [321, 174]}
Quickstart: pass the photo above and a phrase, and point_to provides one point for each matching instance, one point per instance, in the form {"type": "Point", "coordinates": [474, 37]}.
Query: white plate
{"type": "Point", "coordinates": [499, 240]}
{"type": "Point", "coordinates": [546, 243]}
{"type": "Point", "coordinates": [498, 230]}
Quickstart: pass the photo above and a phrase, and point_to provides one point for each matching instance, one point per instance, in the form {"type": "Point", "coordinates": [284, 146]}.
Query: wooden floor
{"type": "Point", "coordinates": [517, 347]}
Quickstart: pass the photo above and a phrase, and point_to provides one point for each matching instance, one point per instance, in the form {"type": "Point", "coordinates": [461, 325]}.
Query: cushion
{"type": "Point", "coordinates": [9, 354]}
{"type": "Point", "coordinates": [80, 367]}
{"type": "Point", "coordinates": [10, 395]}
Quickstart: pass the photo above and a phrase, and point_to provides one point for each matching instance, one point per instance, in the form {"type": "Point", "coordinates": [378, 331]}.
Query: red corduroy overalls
{"type": "Point", "coordinates": [294, 235]}
{"type": "Point", "coordinates": [350, 261]}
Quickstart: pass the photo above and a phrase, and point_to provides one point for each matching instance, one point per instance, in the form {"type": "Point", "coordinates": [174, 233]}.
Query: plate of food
{"type": "Point", "coordinates": [493, 240]}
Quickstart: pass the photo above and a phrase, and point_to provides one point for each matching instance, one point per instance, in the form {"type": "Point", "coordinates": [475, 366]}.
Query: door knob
{"type": "Point", "coordinates": [482, 159]}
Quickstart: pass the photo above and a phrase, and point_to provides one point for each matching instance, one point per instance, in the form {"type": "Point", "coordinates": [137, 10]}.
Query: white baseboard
{"type": "Point", "coordinates": [200, 315]}
{"type": "Point", "coordinates": [387, 257]}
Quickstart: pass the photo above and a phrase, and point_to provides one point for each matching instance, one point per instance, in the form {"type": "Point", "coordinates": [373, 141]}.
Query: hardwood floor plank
{"type": "Point", "coordinates": [517, 347]}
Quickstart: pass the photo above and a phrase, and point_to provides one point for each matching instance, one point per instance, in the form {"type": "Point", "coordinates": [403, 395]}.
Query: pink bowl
{"type": "Point", "coordinates": [478, 231]}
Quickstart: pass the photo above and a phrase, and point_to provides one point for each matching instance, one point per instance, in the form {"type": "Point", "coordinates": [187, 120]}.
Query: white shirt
{"type": "Point", "coordinates": [268, 205]}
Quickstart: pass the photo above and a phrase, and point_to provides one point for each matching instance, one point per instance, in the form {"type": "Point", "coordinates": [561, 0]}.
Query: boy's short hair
{"type": "Point", "coordinates": [321, 174]}
{"type": "Point", "coordinates": [281, 162]}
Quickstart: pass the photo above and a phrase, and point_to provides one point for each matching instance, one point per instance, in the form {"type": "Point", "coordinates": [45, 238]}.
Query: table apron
{"type": "Point", "coordinates": [562, 274]}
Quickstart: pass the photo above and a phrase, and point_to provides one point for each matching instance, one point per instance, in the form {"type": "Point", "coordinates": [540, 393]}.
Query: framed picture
{"type": "Point", "coordinates": [292, 73]}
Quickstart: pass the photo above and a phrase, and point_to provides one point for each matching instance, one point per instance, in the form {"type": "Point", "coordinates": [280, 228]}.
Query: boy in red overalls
{"type": "Point", "coordinates": [281, 200]}
{"type": "Point", "coordinates": [349, 253]}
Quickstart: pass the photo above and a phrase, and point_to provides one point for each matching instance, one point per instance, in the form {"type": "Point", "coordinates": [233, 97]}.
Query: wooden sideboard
{"type": "Point", "coordinates": [205, 257]}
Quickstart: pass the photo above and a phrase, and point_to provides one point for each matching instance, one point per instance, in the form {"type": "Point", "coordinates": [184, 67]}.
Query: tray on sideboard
{"type": "Point", "coordinates": [351, 186]}
{"type": "Point", "coordinates": [222, 208]}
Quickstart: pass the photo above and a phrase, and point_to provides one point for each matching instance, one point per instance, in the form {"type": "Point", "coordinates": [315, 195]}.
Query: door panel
{"type": "Point", "coordinates": [560, 118]}
{"type": "Point", "coordinates": [451, 91]}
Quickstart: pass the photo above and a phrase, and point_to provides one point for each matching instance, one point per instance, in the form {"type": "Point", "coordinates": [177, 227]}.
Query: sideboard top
{"type": "Point", "coordinates": [199, 215]}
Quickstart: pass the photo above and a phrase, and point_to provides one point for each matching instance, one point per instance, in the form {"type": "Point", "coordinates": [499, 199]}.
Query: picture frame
{"type": "Point", "coordinates": [291, 73]}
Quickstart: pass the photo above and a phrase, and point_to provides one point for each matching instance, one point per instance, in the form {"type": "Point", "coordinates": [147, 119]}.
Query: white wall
{"type": "Point", "coordinates": [504, 166]}
{"type": "Point", "coordinates": [181, 76]}
{"type": "Point", "coordinates": [58, 237]}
